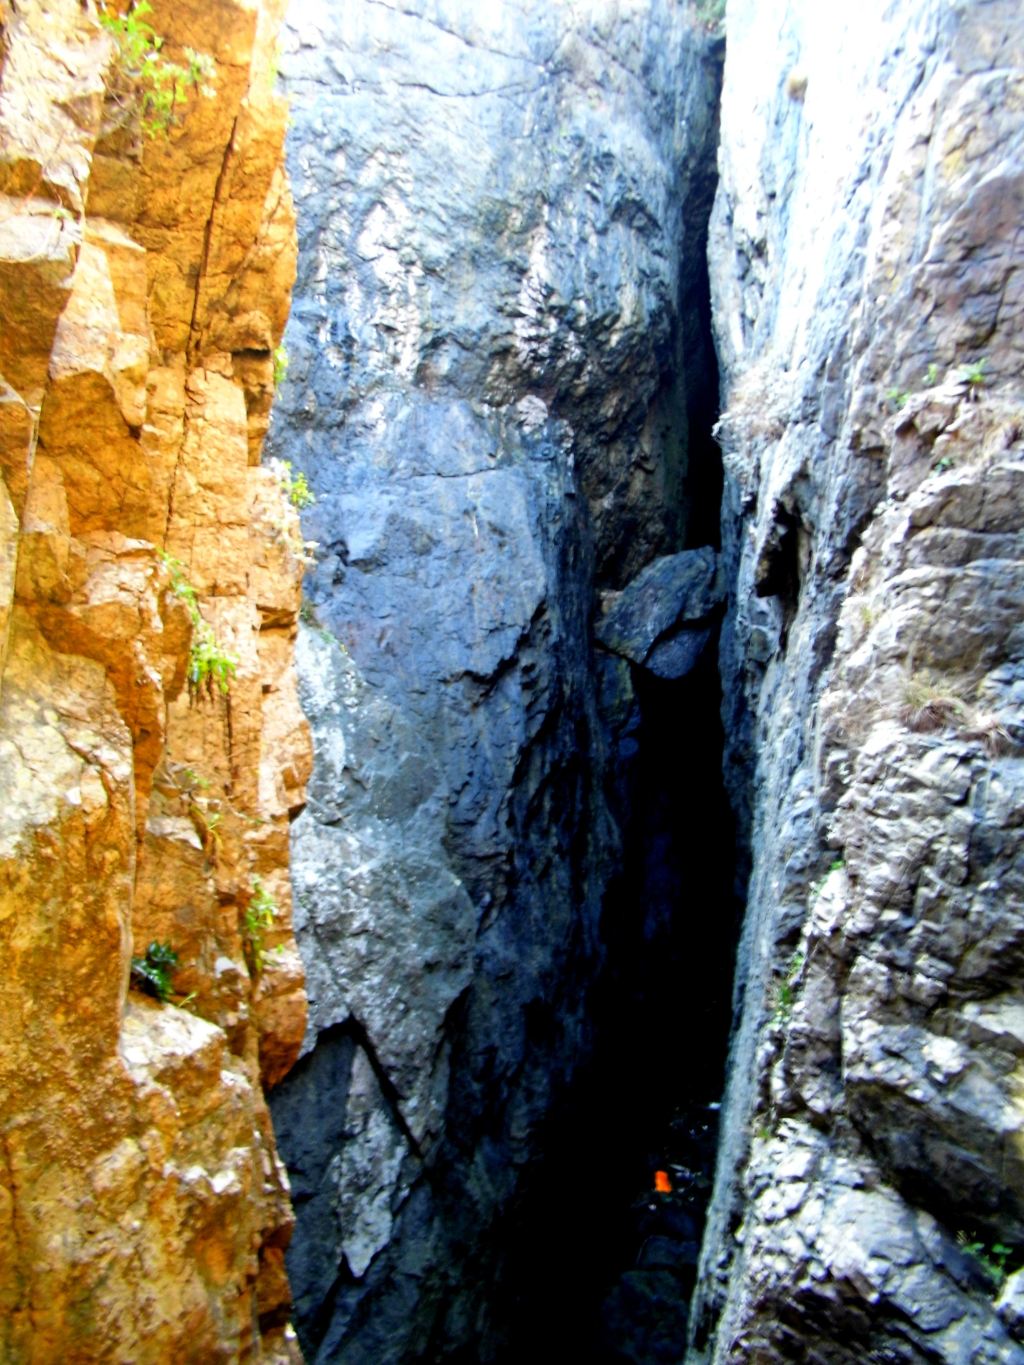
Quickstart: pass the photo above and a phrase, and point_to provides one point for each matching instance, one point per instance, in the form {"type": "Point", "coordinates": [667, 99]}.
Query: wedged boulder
{"type": "Point", "coordinates": [660, 620]}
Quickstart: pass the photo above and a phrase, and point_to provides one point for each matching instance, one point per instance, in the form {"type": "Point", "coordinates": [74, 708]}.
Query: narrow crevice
{"type": "Point", "coordinates": [704, 458]}
{"type": "Point", "coordinates": [594, 1246]}
{"type": "Point", "coordinates": [600, 1251]}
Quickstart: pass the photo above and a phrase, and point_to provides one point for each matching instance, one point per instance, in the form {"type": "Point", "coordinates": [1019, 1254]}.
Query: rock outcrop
{"type": "Point", "coordinates": [144, 281]}
{"type": "Point", "coordinates": [490, 359]}
{"type": "Point", "coordinates": [869, 1181]}
{"type": "Point", "coordinates": [492, 379]}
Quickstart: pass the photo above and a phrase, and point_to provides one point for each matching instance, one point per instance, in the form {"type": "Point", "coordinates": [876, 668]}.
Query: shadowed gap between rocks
{"type": "Point", "coordinates": [599, 1265]}
{"type": "Point", "coordinates": [592, 1247]}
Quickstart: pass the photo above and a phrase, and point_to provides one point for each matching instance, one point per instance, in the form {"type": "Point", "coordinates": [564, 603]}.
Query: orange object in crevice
{"type": "Point", "coordinates": [662, 1184]}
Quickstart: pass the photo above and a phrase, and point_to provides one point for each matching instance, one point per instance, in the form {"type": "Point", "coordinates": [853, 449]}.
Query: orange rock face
{"type": "Point", "coordinates": [144, 282]}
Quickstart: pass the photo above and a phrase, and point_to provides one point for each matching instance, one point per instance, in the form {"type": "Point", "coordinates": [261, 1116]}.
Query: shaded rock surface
{"type": "Point", "coordinates": [489, 370]}
{"type": "Point", "coordinates": [872, 664]}
{"type": "Point", "coordinates": [143, 1209]}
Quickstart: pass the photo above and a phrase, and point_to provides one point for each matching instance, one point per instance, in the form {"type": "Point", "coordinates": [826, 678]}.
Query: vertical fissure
{"type": "Point", "coordinates": [604, 1242]}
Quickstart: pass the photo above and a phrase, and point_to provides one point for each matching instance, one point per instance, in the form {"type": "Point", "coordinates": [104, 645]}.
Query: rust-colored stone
{"type": "Point", "coordinates": [144, 285]}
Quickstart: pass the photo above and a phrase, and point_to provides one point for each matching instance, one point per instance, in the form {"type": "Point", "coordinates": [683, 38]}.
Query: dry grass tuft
{"type": "Point", "coordinates": [929, 707]}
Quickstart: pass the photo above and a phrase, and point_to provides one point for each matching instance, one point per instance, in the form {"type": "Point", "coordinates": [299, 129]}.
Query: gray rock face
{"type": "Point", "coordinates": [487, 390]}
{"type": "Point", "coordinates": [872, 656]}
{"type": "Point", "coordinates": [499, 219]}
{"type": "Point", "coordinates": [374, 833]}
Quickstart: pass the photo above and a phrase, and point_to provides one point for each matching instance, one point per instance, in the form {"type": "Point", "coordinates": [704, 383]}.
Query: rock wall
{"type": "Point", "coordinates": [490, 358]}
{"type": "Point", "coordinates": [494, 376]}
{"type": "Point", "coordinates": [144, 281]}
{"type": "Point", "coordinates": [868, 281]}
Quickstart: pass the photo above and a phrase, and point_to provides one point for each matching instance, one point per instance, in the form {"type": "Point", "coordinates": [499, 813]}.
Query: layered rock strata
{"type": "Point", "coordinates": [489, 368]}
{"type": "Point", "coordinates": [144, 283]}
{"type": "Point", "coordinates": [867, 1204]}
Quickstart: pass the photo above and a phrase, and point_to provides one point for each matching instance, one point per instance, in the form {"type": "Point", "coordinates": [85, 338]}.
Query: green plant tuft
{"type": "Point", "coordinates": [973, 374]}
{"type": "Point", "coordinates": [786, 991]}
{"type": "Point", "coordinates": [209, 664]}
{"type": "Point", "coordinates": [152, 973]}
{"type": "Point", "coordinates": [259, 917]}
{"type": "Point", "coordinates": [280, 364]}
{"type": "Point", "coordinates": [180, 585]}
{"type": "Point", "coordinates": [295, 485]}
{"type": "Point", "coordinates": [161, 86]}
{"type": "Point", "coordinates": [991, 1259]}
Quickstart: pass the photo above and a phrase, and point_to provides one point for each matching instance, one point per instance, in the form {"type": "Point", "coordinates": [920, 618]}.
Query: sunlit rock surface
{"type": "Point", "coordinates": [487, 387]}
{"type": "Point", "coordinates": [868, 280]}
{"type": "Point", "coordinates": [143, 285]}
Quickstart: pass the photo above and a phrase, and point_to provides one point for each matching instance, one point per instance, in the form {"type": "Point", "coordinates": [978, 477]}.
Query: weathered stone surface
{"type": "Point", "coordinates": [393, 939]}
{"type": "Point", "coordinates": [486, 388]}
{"type": "Point", "coordinates": [144, 1210]}
{"type": "Point", "coordinates": [871, 654]}
{"type": "Point", "coordinates": [55, 64]}
{"type": "Point", "coordinates": [1010, 1304]}
{"type": "Point", "coordinates": [127, 1128]}
{"type": "Point", "coordinates": [37, 258]}
{"type": "Point", "coordinates": [852, 1255]}
{"type": "Point", "coordinates": [509, 230]}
